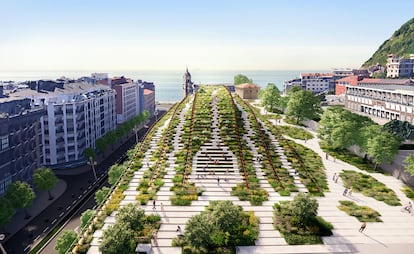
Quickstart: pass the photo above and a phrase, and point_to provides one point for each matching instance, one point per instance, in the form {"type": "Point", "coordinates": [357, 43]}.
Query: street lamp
{"type": "Point", "coordinates": [93, 164]}
{"type": "Point", "coordinates": [2, 236]}
{"type": "Point", "coordinates": [136, 129]}
{"type": "Point", "coordinates": [156, 115]}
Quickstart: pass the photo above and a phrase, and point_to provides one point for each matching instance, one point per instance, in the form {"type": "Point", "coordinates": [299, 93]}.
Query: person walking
{"type": "Point", "coordinates": [350, 192]}
{"type": "Point", "coordinates": [363, 226]}
{"type": "Point", "coordinates": [218, 180]}
{"type": "Point", "coordinates": [153, 204]}
{"type": "Point", "coordinates": [162, 207]}
{"type": "Point", "coordinates": [334, 177]}
{"type": "Point", "coordinates": [345, 191]}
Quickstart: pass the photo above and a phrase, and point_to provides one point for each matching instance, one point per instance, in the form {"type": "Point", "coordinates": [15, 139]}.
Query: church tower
{"type": "Point", "coordinates": [188, 85]}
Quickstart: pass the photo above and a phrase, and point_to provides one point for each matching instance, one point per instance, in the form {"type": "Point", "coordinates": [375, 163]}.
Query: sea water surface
{"type": "Point", "coordinates": [168, 84]}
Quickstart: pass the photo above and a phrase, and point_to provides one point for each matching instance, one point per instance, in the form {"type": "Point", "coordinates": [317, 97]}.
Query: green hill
{"type": "Point", "coordinates": [401, 43]}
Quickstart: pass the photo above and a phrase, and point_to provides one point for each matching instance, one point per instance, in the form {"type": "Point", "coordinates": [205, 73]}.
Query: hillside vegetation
{"type": "Point", "coordinates": [401, 43]}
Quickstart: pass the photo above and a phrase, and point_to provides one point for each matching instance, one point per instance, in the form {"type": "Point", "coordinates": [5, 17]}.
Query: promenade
{"type": "Point", "coordinates": [394, 235]}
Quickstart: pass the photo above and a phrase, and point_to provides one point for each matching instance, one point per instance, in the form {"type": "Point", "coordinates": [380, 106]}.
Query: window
{"type": "Point", "coordinates": [4, 142]}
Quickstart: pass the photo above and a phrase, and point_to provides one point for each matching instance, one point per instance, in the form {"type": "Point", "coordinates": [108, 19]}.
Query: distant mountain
{"type": "Point", "coordinates": [401, 43]}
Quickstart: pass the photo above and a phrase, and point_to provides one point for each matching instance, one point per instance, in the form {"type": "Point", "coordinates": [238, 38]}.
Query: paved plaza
{"type": "Point", "coordinates": [215, 171]}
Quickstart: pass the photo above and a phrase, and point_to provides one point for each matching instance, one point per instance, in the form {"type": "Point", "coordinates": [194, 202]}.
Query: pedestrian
{"type": "Point", "coordinates": [162, 207]}
{"type": "Point", "coordinates": [350, 192]}
{"type": "Point", "coordinates": [296, 171]}
{"type": "Point", "coordinates": [326, 156]}
{"type": "Point", "coordinates": [334, 158]}
{"type": "Point", "coordinates": [155, 237]}
{"type": "Point", "coordinates": [363, 226]}
{"type": "Point", "coordinates": [179, 232]}
{"type": "Point", "coordinates": [225, 179]}
{"type": "Point", "coordinates": [218, 180]}
{"type": "Point", "coordinates": [345, 191]}
{"type": "Point", "coordinates": [306, 140]}
{"type": "Point", "coordinates": [334, 177]}
{"type": "Point", "coordinates": [153, 204]}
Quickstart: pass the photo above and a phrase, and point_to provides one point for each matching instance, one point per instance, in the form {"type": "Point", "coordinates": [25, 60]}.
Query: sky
{"type": "Point", "coordinates": [105, 35]}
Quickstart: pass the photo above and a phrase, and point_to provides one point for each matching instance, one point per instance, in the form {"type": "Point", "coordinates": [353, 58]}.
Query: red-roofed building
{"type": "Point", "coordinates": [341, 84]}
{"type": "Point", "coordinates": [247, 91]}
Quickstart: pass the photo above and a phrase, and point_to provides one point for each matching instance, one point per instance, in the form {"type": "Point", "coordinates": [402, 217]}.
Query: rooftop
{"type": "Point", "coordinates": [247, 85]}
{"type": "Point", "coordinates": [385, 81]}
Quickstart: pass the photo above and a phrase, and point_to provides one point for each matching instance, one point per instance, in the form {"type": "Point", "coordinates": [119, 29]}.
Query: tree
{"type": "Point", "coordinates": [400, 129]}
{"type": "Point", "coordinates": [90, 152]}
{"type": "Point", "coordinates": [115, 172]}
{"type": "Point", "coordinates": [409, 160]}
{"type": "Point", "coordinates": [241, 79]}
{"type": "Point", "coordinates": [341, 128]}
{"type": "Point", "coordinates": [304, 208]}
{"type": "Point", "coordinates": [20, 195]}
{"type": "Point", "coordinates": [101, 195]}
{"type": "Point", "coordinates": [132, 216]}
{"type": "Point", "coordinates": [382, 147]}
{"type": "Point", "coordinates": [303, 104]}
{"type": "Point", "coordinates": [6, 212]}
{"type": "Point", "coordinates": [118, 239]}
{"type": "Point", "coordinates": [271, 98]}
{"type": "Point", "coordinates": [221, 224]}
{"type": "Point", "coordinates": [86, 217]}
{"type": "Point", "coordinates": [45, 180]}
{"type": "Point", "coordinates": [101, 144]}
{"type": "Point", "coordinates": [65, 241]}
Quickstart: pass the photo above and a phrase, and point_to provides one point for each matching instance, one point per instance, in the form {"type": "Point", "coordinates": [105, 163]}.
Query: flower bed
{"type": "Point", "coordinates": [369, 186]}
{"type": "Point", "coordinates": [362, 213]}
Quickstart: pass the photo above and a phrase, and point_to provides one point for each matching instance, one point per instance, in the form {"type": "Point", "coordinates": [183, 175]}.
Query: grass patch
{"type": "Point", "coordinates": [409, 192]}
{"type": "Point", "coordinates": [369, 186]}
{"type": "Point", "coordinates": [295, 132]}
{"type": "Point", "coordinates": [362, 213]}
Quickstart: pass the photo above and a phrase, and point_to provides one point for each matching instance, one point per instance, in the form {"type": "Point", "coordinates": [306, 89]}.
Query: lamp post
{"type": "Point", "coordinates": [156, 115]}
{"type": "Point", "coordinates": [2, 236]}
{"type": "Point", "coordinates": [93, 164]}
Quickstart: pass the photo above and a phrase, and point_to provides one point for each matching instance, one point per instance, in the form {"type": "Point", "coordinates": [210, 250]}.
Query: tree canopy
{"type": "Point", "coordinates": [342, 128]}
{"type": "Point", "coordinates": [20, 194]}
{"type": "Point", "coordinates": [65, 241]}
{"type": "Point", "coordinates": [382, 146]}
{"type": "Point", "coordinates": [401, 129]}
{"type": "Point", "coordinates": [304, 208]}
{"type": "Point", "coordinates": [86, 217]}
{"type": "Point", "coordinates": [271, 98]}
{"type": "Point", "coordinates": [221, 224]}
{"type": "Point", "coordinates": [303, 104]}
{"type": "Point", "coordinates": [115, 172]}
{"type": "Point", "coordinates": [45, 180]}
{"type": "Point", "coordinates": [409, 161]}
{"type": "Point", "coordinates": [241, 79]}
{"type": "Point", "coordinates": [6, 212]}
{"type": "Point", "coordinates": [101, 195]}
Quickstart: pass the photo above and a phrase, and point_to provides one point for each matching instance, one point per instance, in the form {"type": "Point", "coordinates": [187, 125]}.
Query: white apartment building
{"type": "Point", "coordinates": [400, 67]}
{"type": "Point", "coordinates": [75, 118]}
{"type": "Point", "coordinates": [317, 82]}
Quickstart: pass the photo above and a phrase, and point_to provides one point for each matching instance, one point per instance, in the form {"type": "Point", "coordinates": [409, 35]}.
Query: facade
{"type": "Point", "coordinates": [149, 101]}
{"type": "Point", "coordinates": [382, 101]}
{"type": "Point", "coordinates": [382, 82]}
{"type": "Point", "coordinates": [127, 101]}
{"type": "Point", "coordinates": [317, 82]}
{"type": "Point", "coordinates": [247, 91]}
{"type": "Point", "coordinates": [340, 84]}
{"type": "Point", "coordinates": [400, 67]}
{"type": "Point", "coordinates": [188, 86]}
{"type": "Point", "coordinates": [291, 83]}
{"type": "Point", "coordinates": [75, 118]}
{"type": "Point", "coordinates": [20, 141]}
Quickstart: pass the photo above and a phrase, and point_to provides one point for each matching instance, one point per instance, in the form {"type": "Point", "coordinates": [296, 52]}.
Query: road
{"type": "Point", "coordinates": [77, 187]}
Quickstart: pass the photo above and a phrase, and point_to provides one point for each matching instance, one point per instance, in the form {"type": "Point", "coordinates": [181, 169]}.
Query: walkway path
{"type": "Point", "coordinates": [396, 232]}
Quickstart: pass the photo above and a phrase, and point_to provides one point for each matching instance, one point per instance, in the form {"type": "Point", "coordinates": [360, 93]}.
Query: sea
{"type": "Point", "coordinates": [168, 84]}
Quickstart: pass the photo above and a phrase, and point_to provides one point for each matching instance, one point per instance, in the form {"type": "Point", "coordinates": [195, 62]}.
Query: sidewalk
{"type": "Point", "coordinates": [40, 203]}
